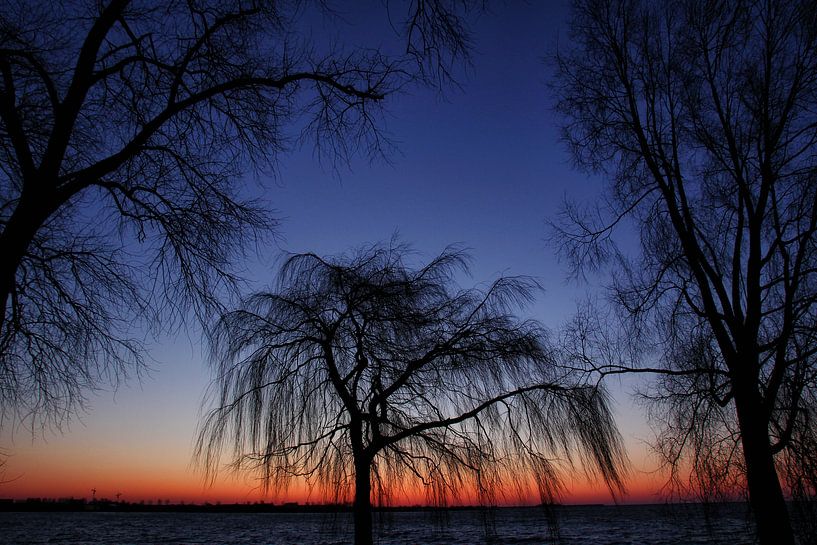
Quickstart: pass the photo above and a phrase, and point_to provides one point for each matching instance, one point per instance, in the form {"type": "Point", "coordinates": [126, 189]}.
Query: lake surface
{"type": "Point", "coordinates": [591, 525]}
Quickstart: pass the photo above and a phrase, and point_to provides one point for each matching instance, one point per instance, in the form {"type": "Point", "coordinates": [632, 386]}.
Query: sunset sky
{"type": "Point", "coordinates": [480, 165]}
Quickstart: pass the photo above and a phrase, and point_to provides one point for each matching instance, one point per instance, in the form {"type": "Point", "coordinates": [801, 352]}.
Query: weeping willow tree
{"type": "Point", "coordinates": [365, 376]}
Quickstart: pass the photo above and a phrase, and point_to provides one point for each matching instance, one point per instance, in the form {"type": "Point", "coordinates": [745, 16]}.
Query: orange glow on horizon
{"type": "Point", "coordinates": [142, 465]}
{"type": "Point", "coordinates": [189, 487]}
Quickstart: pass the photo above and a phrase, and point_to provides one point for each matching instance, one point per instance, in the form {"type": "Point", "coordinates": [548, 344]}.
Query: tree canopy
{"type": "Point", "coordinates": [127, 130]}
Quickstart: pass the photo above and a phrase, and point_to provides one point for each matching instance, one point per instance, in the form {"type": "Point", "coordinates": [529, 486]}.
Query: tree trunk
{"type": "Point", "coordinates": [15, 239]}
{"type": "Point", "coordinates": [362, 507]}
{"type": "Point", "coordinates": [765, 493]}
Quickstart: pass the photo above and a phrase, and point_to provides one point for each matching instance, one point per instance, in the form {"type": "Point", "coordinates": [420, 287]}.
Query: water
{"type": "Point", "coordinates": [592, 525]}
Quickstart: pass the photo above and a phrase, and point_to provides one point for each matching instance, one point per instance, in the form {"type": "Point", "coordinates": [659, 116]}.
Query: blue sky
{"type": "Point", "coordinates": [480, 165]}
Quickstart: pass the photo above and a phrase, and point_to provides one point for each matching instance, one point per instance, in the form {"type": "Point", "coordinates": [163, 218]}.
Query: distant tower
{"type": "Point", "coordinates": [93, 494]}
{"type": "Point", "coordinates": [118, 495]}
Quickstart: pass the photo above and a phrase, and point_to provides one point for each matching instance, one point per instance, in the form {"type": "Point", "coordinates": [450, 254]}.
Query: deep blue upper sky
{"type": "Point", "coordinates": [480, 165]}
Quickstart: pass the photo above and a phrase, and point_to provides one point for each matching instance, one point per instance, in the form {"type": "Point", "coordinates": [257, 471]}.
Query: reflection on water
{"type": "Point", "coordinates": [592, 525]}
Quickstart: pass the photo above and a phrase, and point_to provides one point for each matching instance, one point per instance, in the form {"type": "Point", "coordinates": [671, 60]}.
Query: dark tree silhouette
{"type": "Point", "coordinates": [702, 116]}
{"type": "Point", "coordinates": [125, 129]}
{"type": "Point", "coordinates": [366, 376]}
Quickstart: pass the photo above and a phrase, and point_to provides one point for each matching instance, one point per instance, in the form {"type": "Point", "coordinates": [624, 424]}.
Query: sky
{"type": "Point", "coordinates": [480, 165]}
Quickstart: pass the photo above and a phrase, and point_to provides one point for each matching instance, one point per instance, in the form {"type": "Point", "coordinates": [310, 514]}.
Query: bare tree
{"type": "Point", "coordinates": [702, 116]}
{"type": "Point", "coordinates": [125, 129]}
{"type": "Point", "coordinates": [365, 376]}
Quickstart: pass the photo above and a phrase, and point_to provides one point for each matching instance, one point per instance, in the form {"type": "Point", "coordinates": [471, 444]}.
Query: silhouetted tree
{"type": "Point", "coordinates": [125, 128]}
{"type": "Point", "coordinates": [366, 376]}
{"type": "Point", "coordinates": [703, 117]}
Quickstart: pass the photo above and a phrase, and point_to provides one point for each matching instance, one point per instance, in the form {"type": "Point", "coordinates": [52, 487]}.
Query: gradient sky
{"type": "Point", "coordinates": [481, 165]}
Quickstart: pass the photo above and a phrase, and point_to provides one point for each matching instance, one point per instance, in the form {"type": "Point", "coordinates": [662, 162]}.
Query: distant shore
{"type": "Point", "coordinates": [104, 505]}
